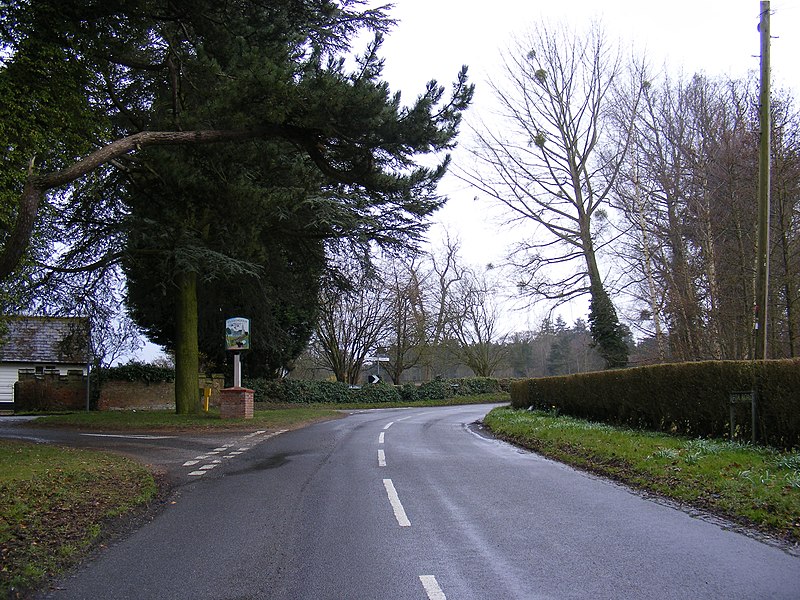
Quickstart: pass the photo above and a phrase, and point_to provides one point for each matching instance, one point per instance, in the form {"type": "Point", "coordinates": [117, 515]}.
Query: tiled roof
{"type": "Point", "coordinates": [54, 340]}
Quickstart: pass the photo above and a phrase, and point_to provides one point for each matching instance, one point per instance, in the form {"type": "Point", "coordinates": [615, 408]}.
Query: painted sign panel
{"type": "Point", "coordinates": [237, 333]}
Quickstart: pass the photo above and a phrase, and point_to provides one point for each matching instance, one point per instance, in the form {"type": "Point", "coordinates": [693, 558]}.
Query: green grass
{"type": "Point", "coordinates": [55, 503]}
{"type": "Point", "coordinates": [269, 416]}
{"type": "Point", "coordinates": [754, 486]}
{"type": "Point", "coordinates": [272, 418]}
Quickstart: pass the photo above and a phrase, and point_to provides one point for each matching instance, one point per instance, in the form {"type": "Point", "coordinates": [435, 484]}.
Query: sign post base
{"type": "Point", "coordinates": [236, 403]}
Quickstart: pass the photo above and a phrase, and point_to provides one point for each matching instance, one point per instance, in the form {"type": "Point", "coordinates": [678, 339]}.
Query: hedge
{"type": "Point", "coordinates": [297, 391]}
{"type": "Point", "coordinates": [137, 371]}
{"type": "Point", "coordinates": [685, 398]}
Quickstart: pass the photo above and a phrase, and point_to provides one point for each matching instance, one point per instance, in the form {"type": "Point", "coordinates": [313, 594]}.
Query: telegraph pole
{"type": "Point", "coordinates": [762, 274]}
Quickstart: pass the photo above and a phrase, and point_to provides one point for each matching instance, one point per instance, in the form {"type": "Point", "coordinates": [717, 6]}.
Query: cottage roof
{"type": "Point", "coordinates": [53, 340]}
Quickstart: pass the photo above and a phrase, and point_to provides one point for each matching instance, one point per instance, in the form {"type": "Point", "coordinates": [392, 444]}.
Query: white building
{"type": "Point", "coordinates": [41, 344]}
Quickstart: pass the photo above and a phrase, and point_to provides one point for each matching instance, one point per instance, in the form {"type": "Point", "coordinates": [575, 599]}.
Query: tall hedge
{"type": "Point", "coordinates": [685, 398]}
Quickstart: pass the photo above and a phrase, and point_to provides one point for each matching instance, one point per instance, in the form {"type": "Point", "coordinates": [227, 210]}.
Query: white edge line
{"type": "Point", "coordinates": [397, 507]}
{"type": "Point", "coordinates": [432, 588]}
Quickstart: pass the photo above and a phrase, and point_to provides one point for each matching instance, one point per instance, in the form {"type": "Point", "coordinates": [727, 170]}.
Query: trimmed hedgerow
{"type": "Point", "coordinates": [685, 398]}
{"type": "Point", "coordinates": [295, 391]}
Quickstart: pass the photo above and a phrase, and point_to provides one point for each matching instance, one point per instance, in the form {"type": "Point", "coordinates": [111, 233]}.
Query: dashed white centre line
{"type": "Point", "coordinates": [381, 437]}
{"type": "Point", "coordinates": [389, 424]}
{"type": "Point", "coordinates": [397, 507]}
{"type": "Point", "coordinates": [432, 587]}
{"type": "Point", "coordinates": [381, 458]}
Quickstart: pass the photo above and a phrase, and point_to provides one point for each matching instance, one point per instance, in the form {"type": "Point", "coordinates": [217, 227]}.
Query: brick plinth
{"type": "Point", "coordinates": [236, 403]}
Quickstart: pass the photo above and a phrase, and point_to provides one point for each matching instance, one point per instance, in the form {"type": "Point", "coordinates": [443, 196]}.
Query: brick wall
{"type": "Point", "coordinates": [130, 395]}
{"type": "Point", "coordinates": [50, 391]}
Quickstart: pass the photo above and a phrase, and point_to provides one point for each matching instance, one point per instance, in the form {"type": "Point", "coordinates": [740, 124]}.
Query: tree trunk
{"type": "Point", "coordinates": [187, 360]}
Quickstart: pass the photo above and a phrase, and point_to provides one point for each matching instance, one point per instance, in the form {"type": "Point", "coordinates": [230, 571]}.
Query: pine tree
{"type": "Point", "coordinates": [607, 334]}
{"type": "Point", "coordinates": [204, 72]}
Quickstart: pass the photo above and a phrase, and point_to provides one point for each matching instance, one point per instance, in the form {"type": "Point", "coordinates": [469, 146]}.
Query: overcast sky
{"type": "Point", "coordinates": [433, 38]}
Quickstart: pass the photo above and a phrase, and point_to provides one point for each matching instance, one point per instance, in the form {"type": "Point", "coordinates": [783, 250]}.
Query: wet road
{"type": "Point", "coordinates": [416, 504]}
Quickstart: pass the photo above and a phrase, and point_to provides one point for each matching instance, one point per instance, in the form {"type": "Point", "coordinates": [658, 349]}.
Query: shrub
{"type": "Point", "coordinates": [409, 393]}
{"type": "Point", "coordinates": [137, 371]}
{"type": "Point", "coordinates": [438, 389]}
{"type": "Point", "coordinates": [298, 391]}
{"type": "Point", "coordinates": [380, 392]}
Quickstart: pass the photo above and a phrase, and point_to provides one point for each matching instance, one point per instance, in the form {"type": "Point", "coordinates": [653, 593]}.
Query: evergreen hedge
{"type": "Point", "coordinates": [137, 371]}
{"type": "Point", "coordinates": [297, 391]}
{"type": "Point", "coordinates": [685, 398]}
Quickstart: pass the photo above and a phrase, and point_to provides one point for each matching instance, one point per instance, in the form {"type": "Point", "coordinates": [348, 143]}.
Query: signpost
{"type": "Point", "coordinates": [237, 338]}
{"type": "Point", "coordinates": [376, 378]}
{"type": "Point", "coordinates": [236, 402]}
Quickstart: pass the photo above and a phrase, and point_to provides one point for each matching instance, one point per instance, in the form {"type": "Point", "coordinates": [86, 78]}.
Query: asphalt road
{"type": "Point", "coordinates": [416, 504]}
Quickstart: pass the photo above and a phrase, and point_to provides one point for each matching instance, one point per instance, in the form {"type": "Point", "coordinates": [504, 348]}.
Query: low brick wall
{"type": "Point", "coordinates": [50, 391]}
{"type": "Point", "coordinates": [138, 395]}
{"type": "Point", "coordinates": [132, 395]}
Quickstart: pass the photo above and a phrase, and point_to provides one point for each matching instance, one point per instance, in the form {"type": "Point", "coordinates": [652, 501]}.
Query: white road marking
{"type": "Point", "coordinates": [381, 458]}
{"type": "Point", "coordinates": [432, 587]}
{"type": "Point", "coordinates": [397, 507]}
{"type": "Point", "coordinates": [381, 437]}
{"type": "Point", "coordinates": [412, 416]}
{"type": "Point", "coordinates": [211, 454]}
{"type": "Point", "coordinates": [130, 437]}
{"type": "Point", "coordinates": [385, 427]}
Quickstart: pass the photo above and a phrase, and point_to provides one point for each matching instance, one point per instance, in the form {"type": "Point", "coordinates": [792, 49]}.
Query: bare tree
{"type": "Point", "coordinates": [475, 322]}
{"type": "Point", "coordinates": [406, 335]}
{"type": "Point", "coordinates": [543, 164]}
{"type": "Point", "coordinates": [352, 323]}
{"type": "Point", "coordinates": [438, 280]}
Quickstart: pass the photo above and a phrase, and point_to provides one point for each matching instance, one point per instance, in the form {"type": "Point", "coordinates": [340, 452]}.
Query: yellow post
{"type": "Point", "coordinates": [206, 395]}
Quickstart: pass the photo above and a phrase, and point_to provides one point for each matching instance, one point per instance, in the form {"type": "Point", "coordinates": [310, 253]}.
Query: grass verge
{"type": "Point", "coordinates": [55, 503]}
{"type": "Point", "coordinates": [265, 416]}
{"type": "Point", "coordinates": [276, 417]}
{"type": "Point", "coordinates": [753, 486]}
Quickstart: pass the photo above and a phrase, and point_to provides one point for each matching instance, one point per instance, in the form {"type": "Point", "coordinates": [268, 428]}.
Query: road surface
{"type": "Point", "coordinates": [417, 504]}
